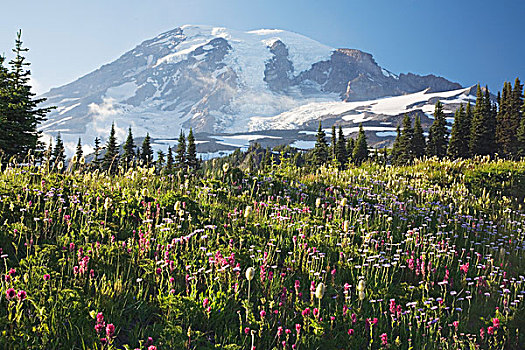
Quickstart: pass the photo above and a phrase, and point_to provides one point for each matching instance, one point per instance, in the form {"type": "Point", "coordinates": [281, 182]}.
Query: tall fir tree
{"type": "Point", "coordinates": [517, 100]}
{"type": "Point", "coordinates": [467, 128]}
{"type": "Point", "coordinates": [5, 137]}
{"type": "Point", "coordinates": [438, 134]}
{"type": "Point", "coordinates": [491, 112]}
{"type": "Point", "coordinates": [396, 148]}
{"type": "Point", "coordinates": [350, 142]}
{"type": "Point", "coordinates": [59, 152]}
{"type": "Point", "coordinates": [159, 164]}
{"type": "Point", "coordinates": [419, 143]}
{"type": "Point", "coordinates": [516, 105]}
{"type": "Point", "coordinates": [180, 154]}
{"type": "Point", "coordinates": [79, 153]}
{"type": "Point", "coordinates": [129, 150]}
{"type": "Point", "coordinates": [521, 131]}
{"type": "Point", "coordinates": [341, 153]}
{"type": "Point", "coordinates": [458, 146]}
{"type": "Point", "coordinates": [482, 131]}
{"type": "Point", "coordinates": [521, 138]}
{"type": "Point", "coordinates": [361, 147]}
{"type": "Point", "coordinates": [97, 162]}
{"type": "Point", "coordinates": [169, 160]}
{"type": "Point", "coordinates": [333, 144]}
{"type": "Point", "coordinates": [146, 154]}
{"type": "Point", "coordinates": [191, 153]}
{"type": "Point", "coordinates": [504, 128]}
{"type": "Point", "coordinates": [19, 110]}
{"type": "Point", "coordinates": [321, 147]}
{"type": "Point", "coordinates": [266, 161]}
{"type": "Point", "coordinates": [110, 161]}
{"type": "Point", "coordinates": [406, 149]}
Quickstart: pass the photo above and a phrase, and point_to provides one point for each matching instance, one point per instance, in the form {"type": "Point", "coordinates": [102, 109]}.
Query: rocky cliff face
{"type": "Point", "coordinates": [216, 80]}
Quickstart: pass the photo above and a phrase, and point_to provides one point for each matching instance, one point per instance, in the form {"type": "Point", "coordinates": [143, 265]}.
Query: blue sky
{"type": "Point", "coordinates": [465, 41]}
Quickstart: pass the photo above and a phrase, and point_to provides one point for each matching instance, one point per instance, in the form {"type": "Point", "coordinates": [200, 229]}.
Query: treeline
{"type": "Point", "coordinates": [341, 151]}
{"type": "Point", "coordinates": [487, 128]}
{"type": "Point", "coordinates": [110, 158]}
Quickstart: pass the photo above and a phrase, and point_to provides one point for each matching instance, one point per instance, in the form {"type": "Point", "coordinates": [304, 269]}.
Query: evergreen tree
{"type": "Point", "coordinates": [191, 154]}
{"type": "Point", "coordinates": [59, 152]}
{"type": "Point", "coordinates": [361, 147]}
{"type": "Point", "coordinates": [160, 160]}
{"type": "Point", "coordinates": [333, 147]}
{"type": "Point", "coordinates": [4, 102]}
{"type": "Point", "coordinates": [491, 112]}
{"type": "Point", "coordinates": [467, 127]}
{"type": "Point", "coordinates": [521, 131]}
{"type": "Point", "coordinates": [458, 144]}
{"type": "Point", "coordinates": [79, 152]}
{"type": "Point", "coordinates": [504, 129]}
{"type": "Point", "coordinates": [515, 116]}
{"type": "Point", "coordinates": [406, 150]}
{"type": "Point", "coordinates": [396, 147]}
{"type": "Point", "coordinates": [169, 160]}
{"type": "Point", "coordinates": [96, 158]}
{"type": "Point", "coordinates": [267, 160]}
{"type": "Point", "coordinates": [129, 150]}
{"type": "Point", "coordinates": [341, 154]}
{"type": "Point", "coordinates": [483, 126]}
{"type": "Point", "coordinates": [521, 138]}
{"type": "Point", "coordinates": [350, 148]}
{"type": "Point", "coordinates": [110, 160]}
{"type": "Point", "coordinates": [180, 155]}
{"type": "Point", "coordinates": [419, 144]}
{"type": "Point", "coordinates": [321, 147]}
{"type": "Point", "coordinates": [517, 100]}
{"type": "Point", "coordinates": [19, 115]}
{"type": "Point", "coordinates": [438, 134]}
{"type": "Point", "coordinates": [147, 152]}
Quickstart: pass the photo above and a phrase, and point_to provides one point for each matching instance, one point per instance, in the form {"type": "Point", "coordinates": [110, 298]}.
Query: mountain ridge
{"type": "Point", "coordinates": [215, 80]}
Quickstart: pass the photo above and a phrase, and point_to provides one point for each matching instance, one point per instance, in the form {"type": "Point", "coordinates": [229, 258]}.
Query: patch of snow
{"type": "Point", "coordinates": [386, 133]}
{"type": "Point", "coordinates": [211, 155]}
{"type": "Point", "coordinates": [67, 109]}
{"type": "Point", "coordinates": [301, 144]}
{"type": "Point", "coordinates": [149, 61]}
{"type": "Point", "coordinates": [348, 131]}
{"type": "Point", "coordinates": [390, 106]}
{"type": "Point", "coordinates": [46, 126]}
{"type": "Point", "coordinates": [351, 130]}
{"type": "Point", "coordinates": [270, 42]}
{"type": "Point", "coordinates": [389, 74]}
{"type": "Point", "coordinates": [67, 100]}
{"type": "Point", "coordinates": [357, 118]}
{"type": "Point", "coordinates": [240, 140]}
{"type": "Point", "coordinates": [184, 50]}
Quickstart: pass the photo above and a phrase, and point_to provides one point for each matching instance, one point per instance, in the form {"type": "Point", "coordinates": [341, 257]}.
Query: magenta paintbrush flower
{"type": "Point", "coordinates": [10, 293]}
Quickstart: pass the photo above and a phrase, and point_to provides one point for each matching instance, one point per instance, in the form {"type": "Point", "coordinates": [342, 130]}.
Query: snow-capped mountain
{"type": "Point", "coordinates": [218, 80]}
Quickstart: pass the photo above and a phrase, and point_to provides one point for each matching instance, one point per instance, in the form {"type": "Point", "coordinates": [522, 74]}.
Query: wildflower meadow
{"type": "Point", "coordinates": [427, 256]}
